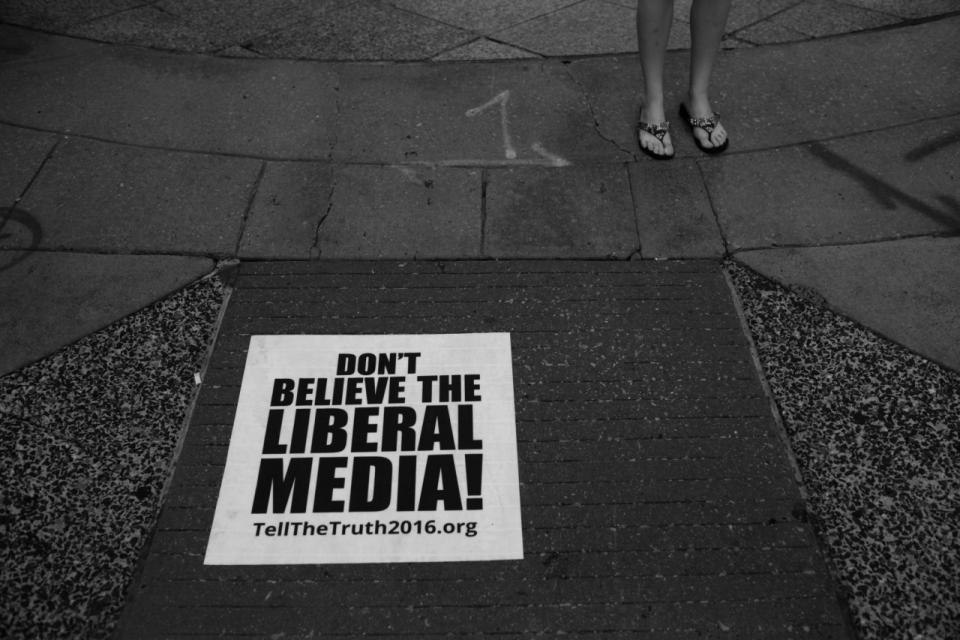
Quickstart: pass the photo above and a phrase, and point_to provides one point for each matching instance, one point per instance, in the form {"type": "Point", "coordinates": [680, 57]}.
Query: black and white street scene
{"type": "Point", "coordinates": [480, 319]}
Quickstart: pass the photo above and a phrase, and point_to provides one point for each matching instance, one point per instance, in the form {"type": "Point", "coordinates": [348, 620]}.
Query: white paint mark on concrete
{"type": "Point", "coordinates": [553, 159]}
{"type": "Point", "coordinates": [501, 98]}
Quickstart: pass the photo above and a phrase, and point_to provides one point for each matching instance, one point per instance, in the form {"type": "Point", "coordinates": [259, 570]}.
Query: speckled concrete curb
{"type": "Point", "coordinates": [88, 436]}
{"type": "Point", "coordinates": [875, 430]}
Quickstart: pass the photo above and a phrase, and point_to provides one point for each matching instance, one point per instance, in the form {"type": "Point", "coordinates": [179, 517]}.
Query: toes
{"type": "Point", "coordinates": [719, 136]}
{"type": "Point", "coordinates": [713, 139]}
{"type": "Point", "coordinates": [667, 146]}
{"type": "Point", "coordinates": [653, 144]}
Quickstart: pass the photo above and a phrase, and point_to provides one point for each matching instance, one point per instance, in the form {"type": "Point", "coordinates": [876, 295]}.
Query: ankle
{"type": "Point", "coordinates": [698, 104]}
{"type": "Point", "coordinates": [653, 113]}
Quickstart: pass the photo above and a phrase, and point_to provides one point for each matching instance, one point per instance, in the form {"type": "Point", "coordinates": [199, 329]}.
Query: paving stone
{"type": "Point", "coordinates": [612, 86]}
{"type": "Point", "coordinates": [478, 114]}
{"type": "Point", "coordinates": [238, 52]}
{"type": "Point", "coordinates": [201, 103]}
{"type": "Point", "coordinates": [146, 26]}
{"type": "Point", "coordinates": [906, 290]}
{"type": "Point", "coordinates": [769, 32]}
{"type": "Point", "coordinates": [482, 17]}
{"type": "Point", "coordinates": [591, 26]}
{"type": "Point", "coordinates": [362, 31]}
{"type": "Point", "coordinates": [54, 299]}
{"type": "Point", "coordinates": [912, 9]}
{"type": "Point", "coordinates": [104, 197]}
{"type": "Point", "coordinates": [573, 212]}
{"type": "Point", "coordinates": [674, 214]}
{"type": "Point", "coordinates": [869, 187]}
{"type": "Point", "coordinates": [819, 18]}
{"type": "Point", "coordinates": [52, 15]}
{"type": "Point", "coordinates": [22, 153]}
{"type": "Point", "coordinates": [292, 198]}
{"type": "Point", "coordinates": [787, 105]}
{"type": "Point", "coordinates": [402, 212]}
{"type": "Point", "coordinates": [241, 21]}
{"type": "Point", "coordinates": [753, 11]}
{"type": "Point", "coordinates": [483, 49]}
{"type": "Point", "coordinates": [728, 548]}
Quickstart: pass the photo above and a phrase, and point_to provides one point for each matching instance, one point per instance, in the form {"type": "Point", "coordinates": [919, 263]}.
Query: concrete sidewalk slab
{"type": "Point", "coordinates": [819, 18]}
{"type": "Point", "coordinates": [911, 9]}
{"type": "Point", "coordinates": [146, 26]}
{"type": "Point", "coordinates": [483, 49]}
{"type": "Point", "coordinates": [487, 17]}
{"type": "Point", "coordinates": [242, 21]}
{"type": "Point", "coordinates": [467, 114]}
{"type": "Point", "coordinates": [403, 212]}
{"type": "Point", "coordinates": [53, 15]}
{"type": "Point", "coordinates": [892, 183]}
{"type": "Point", "coordinates": [125, 94]}
{"type": "Point", "coordinates": [42, 289]}
{"type": "Point", "coordinates": [574, 212]}
{"type": "Point", "coordinates": [292, 198]}
{"type": "Point", "coordinates": [22, 152]}
{"type": "Point", "coordinates": [417, 112]}
{"type": "Point", "coordinates": [906, 290]}
{"type": "Point", "coordinates": [674, 213]}
{"type": "Point", "coordinates": [796, 93]}
{"type": "Point", "coordinates": [362, 31]}
{"type": "Point", "coordinates": [582, 25]}
{"type": "Point", "coordinates": [94, 196]}
{"type": "Point", "coordinates": [311, 210]}
{"type": "Point", "coordinates": [653, 503]}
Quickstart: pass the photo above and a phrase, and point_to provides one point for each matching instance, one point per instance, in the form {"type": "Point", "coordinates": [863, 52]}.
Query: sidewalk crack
{"type": "Point", "coordinates": [713, 208]}
{"type": "Point", "coordinates": [251, 198]}
{"type": "Point", "coordinates": [315, 248]}
{"type": "Point", "coordinates": [597, 128]}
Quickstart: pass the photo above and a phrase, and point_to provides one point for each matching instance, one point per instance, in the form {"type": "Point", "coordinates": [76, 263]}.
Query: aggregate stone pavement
{"type": "Point", "coordinates": [657, 498]}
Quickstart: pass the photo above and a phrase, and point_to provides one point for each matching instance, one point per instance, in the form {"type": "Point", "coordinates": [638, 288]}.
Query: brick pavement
{"type": "Point", "coordinates": [657, 500]}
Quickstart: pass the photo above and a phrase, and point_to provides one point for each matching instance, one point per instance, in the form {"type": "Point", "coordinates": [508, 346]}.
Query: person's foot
{"type": "Point", "coordinates": [707, 129]}
{"type": "Point", "coordinates": [653, 134]}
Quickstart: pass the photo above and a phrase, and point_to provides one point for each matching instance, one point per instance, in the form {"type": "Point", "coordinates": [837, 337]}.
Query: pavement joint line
{"type": "Point", "coordinates": [769, 17]}
{"type": "Point", "coordinates": [713, 209]}
{"type": "Point", "coordinates": [819, 300]}
{"type": "Point", "coordinates": [779, 427]}
{"type": "Point", "coordinates": [130, 252]}
{"type": "Point", "coordinates": [638, 251]}
{"type": "Point", "coordinates": [192, 405]}
{"type": "Point", "coordinates": [890, 239]}
{"type": "Point", "coordinates": [472, 162]}
{"type": "Point", "coordinates": [484, 182]}
{"type": "Point", "coordinates": [111, 14]}
{"type": "Point", "coordinates": [33, 179]}
{"type": "Point", "coordinates": [254, 190]}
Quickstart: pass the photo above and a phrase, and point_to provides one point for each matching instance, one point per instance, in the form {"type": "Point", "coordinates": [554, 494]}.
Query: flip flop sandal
{"type": "Point", "coordinates": [708, 125]}
{"type": "Point", "coordinates": [658, 131]}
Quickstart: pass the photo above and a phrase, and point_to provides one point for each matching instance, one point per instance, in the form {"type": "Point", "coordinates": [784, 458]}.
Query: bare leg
{"type": "Point", "coordinates": [708, 19]}
{"type": "Point", "coordinates": [654, 18]}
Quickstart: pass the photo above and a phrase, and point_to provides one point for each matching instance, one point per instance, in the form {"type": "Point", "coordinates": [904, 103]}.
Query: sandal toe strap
{"type": "Point", "coordinates": [658, 130]}
{"type": "Point", "coordinates": [707, 124]}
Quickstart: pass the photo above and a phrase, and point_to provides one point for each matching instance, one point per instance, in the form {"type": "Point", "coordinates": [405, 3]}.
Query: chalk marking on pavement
{"type": "Point", "coordinates": [553, 159]}
{"type": "Point", "coordinates": [501, 98]}
{"type": "Point", "coordinates": [408, 173]}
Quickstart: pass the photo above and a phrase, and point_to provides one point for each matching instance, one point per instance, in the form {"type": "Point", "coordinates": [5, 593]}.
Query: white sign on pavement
{"type": "Point", "coordinates": [366, 448]}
